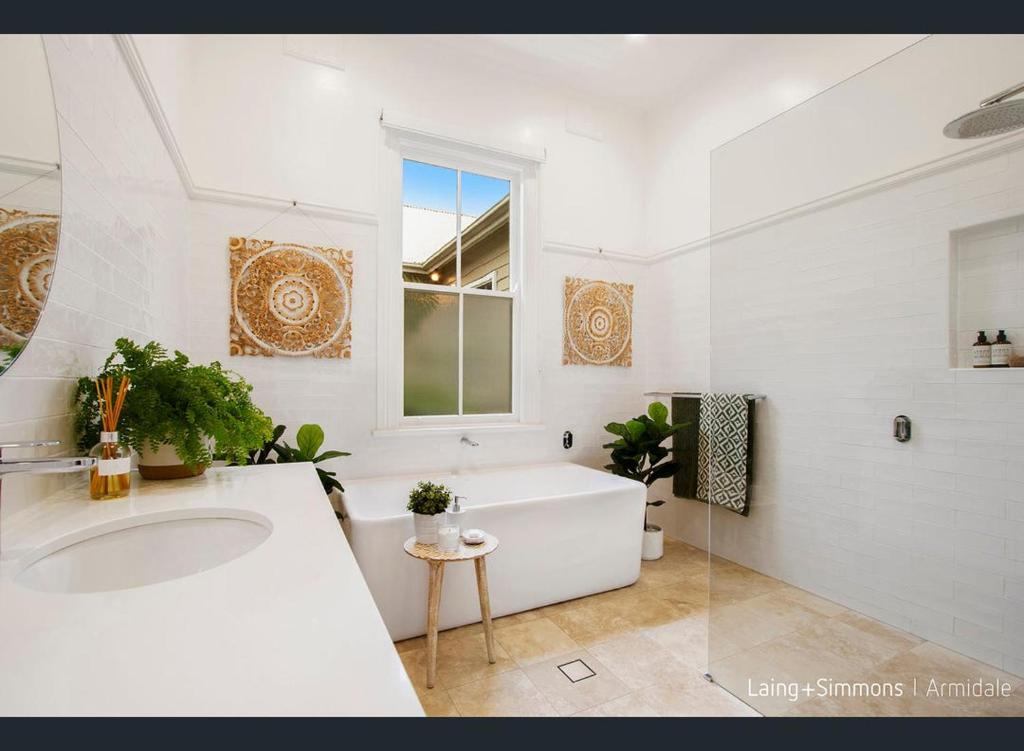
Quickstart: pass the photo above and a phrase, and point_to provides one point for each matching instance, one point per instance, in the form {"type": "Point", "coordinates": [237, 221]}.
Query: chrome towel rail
{"type": "Point", "coordinates": [696, 394]}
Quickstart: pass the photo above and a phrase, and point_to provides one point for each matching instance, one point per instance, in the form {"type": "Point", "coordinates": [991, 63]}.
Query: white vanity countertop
{"type": "Point", "coordinates": [289, 628]}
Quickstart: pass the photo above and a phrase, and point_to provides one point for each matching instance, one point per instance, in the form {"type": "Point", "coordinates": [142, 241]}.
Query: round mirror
{"type": "Point", "coordinates": [29, 191]}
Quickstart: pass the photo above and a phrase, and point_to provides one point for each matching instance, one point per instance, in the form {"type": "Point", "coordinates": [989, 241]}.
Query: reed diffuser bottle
{"type": "Point", "coordinates": [111, 476]}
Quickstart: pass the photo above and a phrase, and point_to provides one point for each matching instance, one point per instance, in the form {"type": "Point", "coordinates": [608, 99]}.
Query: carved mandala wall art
{"type": "Point", "coordinates": [28, 248]}
{"type": "Point", "coordinates": [291, 300]}
{"type": "Point", "coordinates": [597, 323]}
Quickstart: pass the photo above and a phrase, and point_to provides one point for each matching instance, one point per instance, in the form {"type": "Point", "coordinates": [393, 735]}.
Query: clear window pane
{"type": "Point", "coordinates": [431, 353]}
{"type": "Point", "coordinates": [485, 212]}
{"type": "Point", "coordinates": [487, 353]}
{"type": "Point", "coordinates": [428, 223]}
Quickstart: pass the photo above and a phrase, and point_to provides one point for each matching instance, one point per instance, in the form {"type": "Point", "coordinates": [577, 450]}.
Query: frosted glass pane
{"type": "Point", "coordinates": [487, 349]}
{"type": "Point", "coordinates": [431, 353]}
{"type": "Point", "coordinates": [428, 223]}
{"type": "Point", "coordinates": [485, 210]}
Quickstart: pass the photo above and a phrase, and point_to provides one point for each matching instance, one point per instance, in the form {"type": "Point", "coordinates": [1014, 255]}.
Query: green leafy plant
{"type": "Point", "coordinates": [198, 409]}
{"type": "Point", "coordinates": [429, 498]}
{"type": "Point", "coordinates": [262, 454]}
{"type": "Point", "coordinates": [638, 453]}
{"type": "Point", "coordinates": [309, 439]}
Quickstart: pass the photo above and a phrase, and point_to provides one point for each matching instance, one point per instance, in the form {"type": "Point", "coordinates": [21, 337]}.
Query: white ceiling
{"type": "Point", "coordinates": [637, 70]}
{"type": "Point", "coordinates": [640, 70]}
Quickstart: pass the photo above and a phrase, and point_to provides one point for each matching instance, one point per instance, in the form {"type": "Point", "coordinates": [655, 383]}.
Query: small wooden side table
{"type": "Point", "coordinates": [436, 558]}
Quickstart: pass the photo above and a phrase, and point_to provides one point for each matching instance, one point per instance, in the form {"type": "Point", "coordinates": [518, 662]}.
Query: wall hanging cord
{"type": "Point", "coordinates": [271, 220]}
{"type": "Point", "coordinates": [295, 205]}
{"type": "Point", "coordinates": [599, 255]}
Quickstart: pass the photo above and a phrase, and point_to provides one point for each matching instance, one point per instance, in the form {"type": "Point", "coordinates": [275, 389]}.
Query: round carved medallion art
{"type": "Point", "coordinates": [28, 246]}
{"type": "Point", "coordinates": [289, 299]}
{"type": "Point", "coordinates": [598, 325]}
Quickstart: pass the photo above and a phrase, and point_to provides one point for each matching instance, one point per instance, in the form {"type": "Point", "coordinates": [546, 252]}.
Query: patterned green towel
{"type": "Point", "coordinates": [733, 470]}
{"type": "Point", "coordinates": [723, 449]}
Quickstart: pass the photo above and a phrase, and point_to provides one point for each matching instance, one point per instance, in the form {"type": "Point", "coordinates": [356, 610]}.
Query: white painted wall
{"type": "Point", "coordinates": [884, 121]}
{"type": "Point", "coordinates": [120, 262]}
{"type": "Point", "coordinates": [262, 122]}
{"type": "Point", "coordinates": [776, 73]}
{"type": "Point", "coordinates": [259, 121]}
{"type": "Point", "coordinates": [341, 394]}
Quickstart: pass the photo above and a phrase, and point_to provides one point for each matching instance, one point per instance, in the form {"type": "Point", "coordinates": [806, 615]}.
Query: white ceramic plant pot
{"type": "Point", "coordinates": [165, 464]}
{"type": "Point", "coordinates": [654, 543]}
{"type": "Point", "coordinates": [426, 528]}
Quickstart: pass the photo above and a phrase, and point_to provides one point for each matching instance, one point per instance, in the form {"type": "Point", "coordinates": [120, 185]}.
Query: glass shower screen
{"type": "Point", "coordinates": [855, 253]}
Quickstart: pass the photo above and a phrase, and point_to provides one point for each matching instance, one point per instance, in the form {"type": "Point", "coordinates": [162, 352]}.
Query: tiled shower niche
{"type": "Point", "coordinates": [987, 287]}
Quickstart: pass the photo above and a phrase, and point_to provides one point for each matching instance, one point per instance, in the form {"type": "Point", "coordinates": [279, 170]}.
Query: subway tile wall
{"type": "Point", "coordinates": [841, 316]}
{"type": "Point", "coordinates": [122, 256]}
{"type": "Point", "coordinates": [341, 395]}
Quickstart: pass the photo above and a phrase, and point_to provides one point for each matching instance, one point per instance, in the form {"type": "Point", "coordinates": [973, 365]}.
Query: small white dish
{"type": "Point", "coordinates": [474, 536]}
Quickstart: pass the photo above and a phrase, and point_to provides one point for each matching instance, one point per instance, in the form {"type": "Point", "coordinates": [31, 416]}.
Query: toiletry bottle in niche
{"type": "Point", "coordinates": [1002, 349]}
{"type": "Point", "coordinates": [111, 476]}
{"type": "Point", "coordinates": [981, 352]}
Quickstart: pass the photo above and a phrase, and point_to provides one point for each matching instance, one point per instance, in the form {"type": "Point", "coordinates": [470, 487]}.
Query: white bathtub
{"type": "Point", "coordinates": [565, 531]}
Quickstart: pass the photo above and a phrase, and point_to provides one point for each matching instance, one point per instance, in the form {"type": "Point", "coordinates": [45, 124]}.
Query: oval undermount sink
{"type": "Point", "coordinates": [148, 552]}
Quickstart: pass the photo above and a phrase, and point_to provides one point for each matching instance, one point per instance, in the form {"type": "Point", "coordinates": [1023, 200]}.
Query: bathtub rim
{"type": "Point", "coordinates": [621, 484]}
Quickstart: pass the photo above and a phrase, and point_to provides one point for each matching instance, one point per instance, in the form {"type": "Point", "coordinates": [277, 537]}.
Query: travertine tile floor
{"type": "Point", "coordinates": [647, 647]}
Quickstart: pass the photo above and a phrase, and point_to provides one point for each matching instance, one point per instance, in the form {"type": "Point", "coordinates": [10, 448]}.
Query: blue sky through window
{"type": "Point", "coordinates": [432, 187]}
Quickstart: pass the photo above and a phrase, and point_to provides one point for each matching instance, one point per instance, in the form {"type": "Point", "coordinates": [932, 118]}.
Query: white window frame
{"type": "Point", "coordinates": [489, 278]}
{"type": "Point", "coordinates": [401, 143]}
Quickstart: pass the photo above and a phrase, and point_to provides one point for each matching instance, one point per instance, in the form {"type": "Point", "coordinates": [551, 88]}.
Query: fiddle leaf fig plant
{"type": "Point", "coordinates": [309, 439]}
{"type": "Point", "coordinates": [638, 452]}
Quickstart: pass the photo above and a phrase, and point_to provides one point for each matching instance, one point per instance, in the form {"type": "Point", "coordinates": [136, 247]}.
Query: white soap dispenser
{"type": "Point", "coordinates": [457, 514]}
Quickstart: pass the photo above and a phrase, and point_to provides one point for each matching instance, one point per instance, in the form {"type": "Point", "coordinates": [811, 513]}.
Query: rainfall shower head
{"type": "Point", "coordinates": [994, 117]}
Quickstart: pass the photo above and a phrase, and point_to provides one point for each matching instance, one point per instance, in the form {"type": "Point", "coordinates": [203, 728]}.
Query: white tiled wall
{"type": "Point", "coordinates": [123, 252]}
{"type": "Point", "coordinates": [841, 317]}
{"type": "Point", "coordinates": [341, 395]}
{"type": "Point", "coordinates": [988, 295]}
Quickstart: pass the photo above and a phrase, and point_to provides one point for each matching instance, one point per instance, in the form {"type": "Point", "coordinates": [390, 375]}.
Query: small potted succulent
{"type": "Point", "coordinates": [638, 454]}
{"type": "Point", "coordinates": [426, 501]}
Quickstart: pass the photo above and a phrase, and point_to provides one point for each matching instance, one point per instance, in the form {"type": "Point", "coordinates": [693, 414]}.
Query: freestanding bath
{"type": "Point", "coordinates": [566, 531]}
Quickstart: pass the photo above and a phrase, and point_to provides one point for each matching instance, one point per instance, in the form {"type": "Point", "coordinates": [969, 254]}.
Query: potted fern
{"type": "Point", "coordinates": [426, 501]}
{"type": "Point", "coordinates": [638, 454]}
{"type": "Point", "coordinates": [177, 414]}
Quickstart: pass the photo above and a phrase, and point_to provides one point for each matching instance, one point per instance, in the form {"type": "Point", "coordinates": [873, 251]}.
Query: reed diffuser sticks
{"type": "Point", "coordinates": [111, 476]}
{"type": "Point", "coordinates": [110, 408]}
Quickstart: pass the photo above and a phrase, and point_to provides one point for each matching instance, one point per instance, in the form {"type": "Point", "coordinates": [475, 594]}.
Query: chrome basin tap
{"type": "Point", "coordinates": [51, 465]}
{"type": "Point", "coordinates": [41, 466]}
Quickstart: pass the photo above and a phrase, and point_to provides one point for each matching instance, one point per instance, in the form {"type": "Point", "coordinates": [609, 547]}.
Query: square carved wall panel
{"type": "Point", "coordinates": [288, 299]}
{"type": "Point", "coordinates": [597, 323]}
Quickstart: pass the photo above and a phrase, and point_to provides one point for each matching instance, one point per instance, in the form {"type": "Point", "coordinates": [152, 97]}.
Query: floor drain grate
{"type": "Point", "coordinates": [576, 671]}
